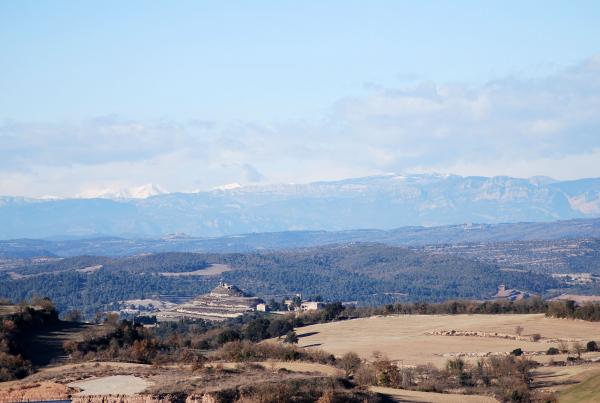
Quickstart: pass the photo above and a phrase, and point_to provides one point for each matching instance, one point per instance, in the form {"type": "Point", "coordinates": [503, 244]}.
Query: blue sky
{"type": "Point", "coordinates": [191, 95]}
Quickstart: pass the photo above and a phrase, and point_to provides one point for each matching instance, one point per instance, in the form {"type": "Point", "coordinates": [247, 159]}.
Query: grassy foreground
{"type": "Point", "coordinates": [587, 391]}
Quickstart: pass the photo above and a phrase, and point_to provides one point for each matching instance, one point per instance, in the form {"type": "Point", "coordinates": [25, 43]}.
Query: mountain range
{"type": "Point", "coordinates": [377, 202]}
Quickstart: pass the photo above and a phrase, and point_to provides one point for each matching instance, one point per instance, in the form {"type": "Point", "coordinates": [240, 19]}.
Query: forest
{"type": "Point", "coordinates": [365, 274]}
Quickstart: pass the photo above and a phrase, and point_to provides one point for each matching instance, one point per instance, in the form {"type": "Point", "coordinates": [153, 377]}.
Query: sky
{"type": "Point", "coordinates": [99, 96]}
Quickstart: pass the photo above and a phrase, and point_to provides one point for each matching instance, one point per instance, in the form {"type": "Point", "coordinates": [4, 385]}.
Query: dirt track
{"type": "Point", "coordinates": [401, 395]}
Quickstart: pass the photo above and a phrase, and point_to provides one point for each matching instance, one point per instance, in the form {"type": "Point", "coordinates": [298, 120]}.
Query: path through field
{"type": "Point", "coordinates": [413, 396]}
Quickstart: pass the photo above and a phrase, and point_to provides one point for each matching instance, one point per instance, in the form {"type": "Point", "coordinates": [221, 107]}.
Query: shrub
{"type": "Point", "coordinates": [591, 346]}
{"type": "Point", "coordinates": [365, 375]}
{"type": "Point", "coordinates": [552, 351]}
{"type": "Point", "coordinates": [74, 315]}
{"type": "Point", "coordinates": [248, 351]}
{"type": "Point", "coordinates": [257, 330]}
{"type": "Point", "coordinates": [279, 327]}
{"type": "Point", "coordinates": [455, 366]}
{"type": "Point", "coordinates": [517, 352]}
{"type": "Point", "coordinates": [291, 338]}
{"type": "Point", "coordinates": [563, 346]}
{"type": "Point", "coordinates": [536, 337]}
{"type": "Point", "coordinates": [577, 348]}
{"type": "Point", "coordinates": [350, 362]}
{"type": "Point", "coordinates": [13, 367]}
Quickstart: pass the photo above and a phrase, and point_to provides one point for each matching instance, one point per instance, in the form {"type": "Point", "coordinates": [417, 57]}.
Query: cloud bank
{"type": "Point", "coordinates": [513, 126]}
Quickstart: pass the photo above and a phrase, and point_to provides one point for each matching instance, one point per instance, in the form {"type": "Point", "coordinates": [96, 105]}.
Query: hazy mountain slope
{"type": "Point", "coordinates": [382, 202]}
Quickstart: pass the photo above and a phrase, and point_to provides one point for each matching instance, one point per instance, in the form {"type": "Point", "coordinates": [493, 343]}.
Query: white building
{"type": "Point", "coordinates": [311, 306]}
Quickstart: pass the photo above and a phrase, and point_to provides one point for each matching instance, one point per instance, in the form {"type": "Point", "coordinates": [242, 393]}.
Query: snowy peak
{"type": "Point", "coordinates": [229, 186]}
{"type": "Point", "coordinates": [139, 192]}
{"type": "Point", "coordinates": [378, 202]}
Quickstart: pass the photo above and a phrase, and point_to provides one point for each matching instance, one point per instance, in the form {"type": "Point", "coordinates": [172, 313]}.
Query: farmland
{"type": "Point", "coordinates": [404, 338]}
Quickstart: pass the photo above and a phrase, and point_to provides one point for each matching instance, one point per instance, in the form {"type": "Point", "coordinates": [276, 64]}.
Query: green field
{"type": "Point", "coordinates": [587, 391]}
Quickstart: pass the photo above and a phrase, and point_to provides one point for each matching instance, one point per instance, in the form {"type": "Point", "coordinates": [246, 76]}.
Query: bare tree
{"type": "Point", "coordinates": [519, 330]}
{"type": "Point", "coordinates": [577, 348]}
{"type": "Point", "coordinates": [563, 346]}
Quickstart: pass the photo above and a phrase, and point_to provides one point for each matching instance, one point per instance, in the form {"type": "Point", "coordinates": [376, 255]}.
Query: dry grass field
{"type": "Point", "coordinates": [404, 338]}
{"type": "Point", "coordinates": [293, 366]}
{"type": "Point", "coordinates": [213, 270]}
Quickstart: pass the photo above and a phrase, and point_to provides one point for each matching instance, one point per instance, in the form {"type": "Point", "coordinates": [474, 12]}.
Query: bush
{"type": "Point", "coordinates": [257, 330]}
{"type": "Point", "coordinates": [279, 327]}
{"type": "Point", "coordinates": [291, 338]}
{"type": "Point", "coordinates": [350, 362]}
{"type": "Point", "coordinates": [591, 346]}
{"type": "Point", "coordinates": [13, 367]}
{"type": "Point", "coordinates": [563, 346]}
{"type": "Point", "coordinates": [517, 352]}
{"type": "Point", "coordinates": [365, 375]}
{"type": "Point", "coordinates": [74, 315]}
{"type": "Point", "coordinates": [455, 366]}
{"type": "Point", "coordinates": [552, 351]}
{"type": "Point", "coordinates": [536, 337]}
{"type": "Point", "coordinates": [247, 351]}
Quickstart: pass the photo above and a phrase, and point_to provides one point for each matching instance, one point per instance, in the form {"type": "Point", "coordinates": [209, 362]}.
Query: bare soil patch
{"type": "Point", "coordinates": [212, 270]}
{"type": "Point", "coordinates": [112, 385]}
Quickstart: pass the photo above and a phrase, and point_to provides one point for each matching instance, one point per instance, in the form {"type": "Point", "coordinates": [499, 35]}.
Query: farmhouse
{"type": "Point", "coordinates": [311, 306]}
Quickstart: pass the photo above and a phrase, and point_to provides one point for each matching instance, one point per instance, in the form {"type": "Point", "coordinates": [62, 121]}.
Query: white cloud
{"type": "Point", "coordinates": [513, 126]}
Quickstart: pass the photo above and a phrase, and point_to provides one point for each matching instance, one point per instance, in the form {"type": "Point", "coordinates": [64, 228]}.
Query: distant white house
{"type": "Point", "coordinates": [311, 306]}
{"type": "Point", "coordinates": [261, 308]}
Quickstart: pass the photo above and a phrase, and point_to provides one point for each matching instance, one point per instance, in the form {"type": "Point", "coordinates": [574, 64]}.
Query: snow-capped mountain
{"type": "Point", "coordinates": [139, 192]}
{"type": "Point", "coordinates": [386, 201]}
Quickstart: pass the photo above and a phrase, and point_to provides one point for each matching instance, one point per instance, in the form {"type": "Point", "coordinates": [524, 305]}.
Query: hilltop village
{"type": "Point", "coordinates": [224, 302]}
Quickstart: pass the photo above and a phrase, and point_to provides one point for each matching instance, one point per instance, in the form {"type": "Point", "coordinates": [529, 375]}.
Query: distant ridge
{"type": "Point", "coordinates": [405, 236]}
{"type": "Point", "coordinates": [381, 202]}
